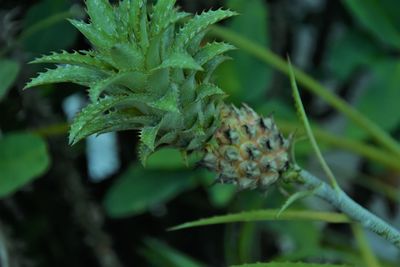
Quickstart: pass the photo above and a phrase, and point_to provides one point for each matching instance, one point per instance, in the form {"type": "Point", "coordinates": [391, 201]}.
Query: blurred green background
{"type": "Point", "coordinates": [94, 205]}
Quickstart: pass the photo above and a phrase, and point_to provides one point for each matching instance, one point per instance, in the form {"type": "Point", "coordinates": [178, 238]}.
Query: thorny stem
{"type": "Point", "coordinates": [339, 199]}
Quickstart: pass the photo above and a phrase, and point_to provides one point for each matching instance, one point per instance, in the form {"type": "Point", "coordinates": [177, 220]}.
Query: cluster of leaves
{"type": "Point", "coordinates": [168, 188]}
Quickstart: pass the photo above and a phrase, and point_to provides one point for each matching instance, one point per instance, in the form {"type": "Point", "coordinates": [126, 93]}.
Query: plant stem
{"type": "Point", "coordinates": [348, 206]}
{"type": "Point", "coordinates": [312, 85]}
{"type": "Point", "coordinates": [307, 127]}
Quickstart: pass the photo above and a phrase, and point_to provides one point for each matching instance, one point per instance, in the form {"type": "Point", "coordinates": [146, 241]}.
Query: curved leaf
{"type": "Point", "coordinates": [200, 23]}
{"type": "Point", "coordinates": [137, 190]}
{"type": "Point", "coordinates": [66, 73]}
{"type": "Point", "coordinates": [75, 58]}
{"type": "Point", "coordinates": [23, 157]}
{"type": "Point", "coordinates": [267, 215]}
{"type": "Point", "coordinates": [373, 16]}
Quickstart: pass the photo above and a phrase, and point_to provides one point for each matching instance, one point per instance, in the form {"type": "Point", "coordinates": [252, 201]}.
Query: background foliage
{"type": "Point", "coordinates": [54, 211]}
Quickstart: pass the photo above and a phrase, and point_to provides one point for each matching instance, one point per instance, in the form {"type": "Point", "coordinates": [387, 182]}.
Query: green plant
{"type": "Point", "coordinates": [152, 76]}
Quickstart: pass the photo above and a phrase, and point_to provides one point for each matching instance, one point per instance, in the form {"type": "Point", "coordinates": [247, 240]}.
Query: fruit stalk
{"type": "Point", "coordinates": [340, 200]}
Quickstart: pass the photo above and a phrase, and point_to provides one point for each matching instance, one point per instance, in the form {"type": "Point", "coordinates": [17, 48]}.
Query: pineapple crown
{"type": "Point", "coordinates": [148, 71]}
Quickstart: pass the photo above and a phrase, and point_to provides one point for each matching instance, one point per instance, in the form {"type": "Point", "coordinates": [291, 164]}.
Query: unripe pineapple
{"type": "Point", "coordinates": [247, 150]}
{"type": "Point", "coordinates": [150, 71]}
{"type": "Point", "coordinates": [147, 71]}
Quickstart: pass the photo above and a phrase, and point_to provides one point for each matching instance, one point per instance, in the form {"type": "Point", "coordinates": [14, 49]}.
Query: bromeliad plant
{"type": "Point", "coordinates": [151, 71]}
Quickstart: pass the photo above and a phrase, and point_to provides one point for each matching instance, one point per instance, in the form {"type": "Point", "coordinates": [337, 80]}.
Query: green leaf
{"type": "Point", "coordinates": [290, 264]}
{"type": "Point", "coordinates": [127, 57]}
{"type": "Point", "coordinates": [161, 12]}
{"type": "Point", "coordinates": [75, 58]}
{"type": "Point", "coordinates": [200, 23]}
{"type": "Point", "coordinates": [135, 15]}
{"type": "Point", "coordinates": [9, 70]}
{"type": "Point", "coordinates": [211, 50]}
{"type": "Point", "coordinates": [310, 134]}
{"type": "Point", "coordinates": [169, 102]}
{"type": "Point", "coordinates": [148, 136]}
{"type": "Point", "coordinates": [350, 51]}
{"type": "Point", "coordinates": [166, 159]}
{"type": "Point", "coordinates": [137, 190]}
{"type": "Point", "coordinates": [87, 117]}
{"type": "Point", "coordinates": [209, 90]}
{"type": "Point", "coordinates": [133, 80]}
{"type": "Point", "coordinates": [246, 78]}
{"type": "Point", "coordinates": [173, 17]}
{"type": "Point", "coordinates": [374, 16]}
{"type": "Point", "coordinates": [268, 215]}
{"type": "Point", "coordinates": [101, 15]}
{"type": "Point", "coordinates": [95, 37]}
{"type": "Point", "coordinates": [23, 157]}
{"type": "Point", "coordinates": [111, 122]}
{"type": "Point", "coordinates": [45, 21]}
{"type": "Point", "coordinates": [171, 159]}
{"type": "Point", "coordinates": [379, 101]}
{"type": "Point", "coordinates": [181, 61]}
{"type": "Point", "coordinates": [66, 73]}
{"type": "Point", "coordinates": [160, 254]}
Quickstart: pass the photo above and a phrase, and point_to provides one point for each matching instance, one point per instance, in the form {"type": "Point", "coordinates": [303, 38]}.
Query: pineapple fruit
{"type": "Point", "coordinates": [247, 150]}
{"type": "Point", "coordinates": [150, 71]}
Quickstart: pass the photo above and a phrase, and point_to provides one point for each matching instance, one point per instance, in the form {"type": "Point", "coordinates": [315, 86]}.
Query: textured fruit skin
{"type": "Point", "coordinates": [247, 150]}
{"type": "Point", "coordinates": [149, 70]}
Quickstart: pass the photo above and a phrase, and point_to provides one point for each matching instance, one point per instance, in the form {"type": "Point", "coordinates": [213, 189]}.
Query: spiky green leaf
{"type": "Point", "coordinates": [122, 12]}
{"type": "Point", "coordinates": [200, 23]}
{"type": "Point", "coordinates": [144, 152]}
{"type": "Point", "coordinates": [127, 56]}
{"type": "Point", "coordinates": [144, 28]}
{"type": "Point", "coordinates": [169, 102]}
{"type": "Point", "coordinates": [133, 80]}
{"type": "Point", "coordinates": [161, 12]}
{"type": "Point", "coordinates": [98, 38]}
{"type": "Point", "coordinates": [136, 9]}
{"type": "Point", "coordinates": [74, 58]}
{"type": "Point", "coordinates": [67, 73]}
{"type": "Point", "coordinates": [148, 136]}
{"type": "Point", "coordinates": [209, 90]}
{"type": "Point", "coordinates": [173, 18]}
{"type": "Point", "coordinates": [96, 109]}
{"type": "Point", "coordinates": [180, 60]}
{"type": "Point", "coordinates": [114, 121]}
{"type": "Point", "coordinates": [211, 50]}
{"type": "Point", "coordinates": [102, 15]}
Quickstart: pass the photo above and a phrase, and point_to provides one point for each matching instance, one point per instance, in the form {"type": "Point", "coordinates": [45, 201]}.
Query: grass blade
{"type": "Point", "coordinates": [267, 215]}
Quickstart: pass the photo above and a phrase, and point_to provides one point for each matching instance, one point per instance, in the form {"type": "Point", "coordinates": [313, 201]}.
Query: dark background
{"type": "Point", "coordinates": [62, 218]}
